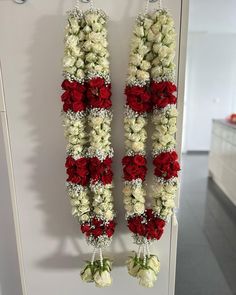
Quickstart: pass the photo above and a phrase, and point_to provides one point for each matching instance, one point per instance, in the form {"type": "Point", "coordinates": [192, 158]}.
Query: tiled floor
{"type": "Point", "coordinates": [206, 259]}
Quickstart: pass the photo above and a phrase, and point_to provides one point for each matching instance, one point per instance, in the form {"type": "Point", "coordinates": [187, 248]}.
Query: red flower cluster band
{"type": "Point", "coordinates": [77, 170]}
{"type": "Point", "coordinates": [101, 170]}
{"type": "Point", "coordinates": [97, 227]}
{"type": "Point", "coordinates": [93, 94]}
{"type": "Point", "coordinates": [80, 171]}
{"type": "Point", "coordinates": [147, 225]}
{"type": "Point", "coordinates": [143, 99]}
{"type": "Point", "coordinates": [166, 165]}
{"type": "Point", "coordinates": [134, 167]}
{"type": "Point", "coordinates": [138, 98]}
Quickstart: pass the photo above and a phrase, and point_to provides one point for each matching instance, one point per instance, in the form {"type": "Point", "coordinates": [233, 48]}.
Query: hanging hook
{"type": "Point", "coordinates": [20, 1]}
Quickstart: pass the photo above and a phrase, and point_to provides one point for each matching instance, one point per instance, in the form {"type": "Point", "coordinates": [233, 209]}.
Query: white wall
{"type": "Point", "coordinates": [53, 249]}
{"type": "Point", "coordinates": [210, 86]}
{"type": "Point", "coordinates": [9, 267]}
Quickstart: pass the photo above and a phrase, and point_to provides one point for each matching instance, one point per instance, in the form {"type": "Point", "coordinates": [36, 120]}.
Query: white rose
{"type": "Point", "coordinates": [76, 51]}
{"type": "Point", "coordinates": [139, 31]}
{"type": "Point", "coordinates": [74, 25]}
{"type": "Point", "coordinates": [79, 63]}
{"type": "Point", "coordinates": [138, 193]}
{"type": "Point", "coordinates": [162, 19]}
{"type": "Point", "coordinates": [151, 36]}
{"type": "Point", "coordinates": [133, 267]}
{"type": "Point", "coordinates": [143, 50]}
{"type": "Point", "coordinates": [143, 75]}
{"type": "Point", "coordinates": [156, 28]}
{"type": "Point", "coordinates": [145, 65]}
{"type": "Point", "coordinates": [84, 217]}
{"type": "Point", "coordinates": [147, 278]}
{"type": "Point", "coordinates": [138, 146]}
{"type": "Point", "coordinates": [80, 74]}
{"type": "Point", "coordinates": [170, 188]}
{"type": "Point", "coordinates": [136, 59]}
{"type": "Point", "coordinates": [149, 56]}
{"type": "Point", "coordinates": [87, 29]}
{"type": "Point", "coordinates": [173, 112]}
{"type": "Point", "coordinates": [139, 208]}
{"type": "Point", "coordinates": [129, 208]}
{"type": "Point", "coordinates": [132, 71]}
{"type": "Point", "coordinates": [156, 71]}
{"type": "Point", "coordinates": [102, 279]}
{"type": "Point", "coordinates": [147, 23]}
{"type": "Point", "coordinates": [165, 29]}
{"type": "Point", "coordinates": [127, 191]}
{"type": "Point", "coordinates": [68, 61]}
{"type": "Point", "coordinates": [154, 263]}
{"type": "Point", "coordinates": [91, 18]}
{"type": "Point", "coordinates": [86, 275]}
{"type": "Point", "coordinates": [81, 36]}
{"type": "Point", "coordinates": [72, 41]}
{"type": "Point", "coordinates": [96, 27]}
{"type": "Point", "coordinates": [109, 215]}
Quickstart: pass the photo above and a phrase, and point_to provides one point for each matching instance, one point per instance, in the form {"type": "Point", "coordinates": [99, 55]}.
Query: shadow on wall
{"type": "Point", "coordinates": [43, 115]}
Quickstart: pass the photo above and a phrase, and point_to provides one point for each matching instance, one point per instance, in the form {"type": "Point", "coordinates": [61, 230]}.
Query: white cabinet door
{"type": "Point", "coordinates": [51, 248]}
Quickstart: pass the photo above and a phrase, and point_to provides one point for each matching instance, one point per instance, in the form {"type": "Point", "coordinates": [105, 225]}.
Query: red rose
{"type": "Point", "coordinates": [140, 160]}
{"type": "Point", "coordinates": [134, 167]}
{"type": "Point", "coordinates": [104, 93]}
{"type": "Point", "coordinates": [69, 85]}
{"type": "Point", "coordinates": [166, 165]}
{"type": "Point", "coordinates": [77, 170]}
{"type": "Point", "coordinates": [74, 96]}
{"type": "Point", "coordinates": [97, 232]}
{"type": "Point", "coordinates": [138, 98]}
{"type": "Point", "coordinates": [101, 170]}
{"type": "Point", "coordinates": [77, 107]}
{"type": "Point", "coordinates": [97, 222]}
{"type": "Point", "coordinates": [69, 162]}
{"type": "Point", "coordinates": [109, 232]}
{"type": "Point", "coordinates": [65, 96]}
{"type": "Point", "coordinates": [96, 82]}
{"type": "Point", "coordinates": [162, 94]}
{"type": "Point", "coordinates": [85, 227]}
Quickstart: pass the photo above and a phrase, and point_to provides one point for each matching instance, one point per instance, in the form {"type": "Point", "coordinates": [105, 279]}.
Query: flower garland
{"type": "Point", "coordinates": [150, 88]}
{"type": "Point", "coordinates": [87, 120]}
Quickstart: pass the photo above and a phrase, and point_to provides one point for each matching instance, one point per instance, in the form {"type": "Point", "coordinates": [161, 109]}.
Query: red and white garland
{"type": "Point", "coordinates": [87, 120]}
{"type": "Point", "coordinates": [150, 89]}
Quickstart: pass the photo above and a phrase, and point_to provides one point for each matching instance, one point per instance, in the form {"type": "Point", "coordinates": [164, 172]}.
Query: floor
{"type": "Point", "coordinates": [206, 259]}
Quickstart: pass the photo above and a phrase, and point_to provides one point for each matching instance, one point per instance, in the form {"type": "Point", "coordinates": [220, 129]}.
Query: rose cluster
{"type": "Point", "coordinates": [166, 165]}
{"type": "Point", "coordinates": [74, 97]}
{"type": "Point", "coordinates": [138, 98]}
{"type": "Point", "coordinates": [145, 269]}
{"type": "Point", "coordinates": [101, 170]}
{"type": "Point", "coordinates": [134, 167]}
{"type": "Point", "coordinates": [98, 93]}
{"type": "Point", "coordinates": [147, 225]}
{"type": "Point", "coordinates": [97, 227]}
{"type": "Point", "coordinates": [163, 94]}
{"type": "Point", "coordinates": [77, 170]}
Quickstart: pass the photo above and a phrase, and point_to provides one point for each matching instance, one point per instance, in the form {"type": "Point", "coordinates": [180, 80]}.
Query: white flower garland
{"type": "Point", "coordinates": [151, 63]}
{"type": "Point", "coordinates": [87, 122]}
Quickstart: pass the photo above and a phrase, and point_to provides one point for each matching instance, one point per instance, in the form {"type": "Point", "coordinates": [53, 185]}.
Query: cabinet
{"type": "Point", "coordinates": [222, 160]}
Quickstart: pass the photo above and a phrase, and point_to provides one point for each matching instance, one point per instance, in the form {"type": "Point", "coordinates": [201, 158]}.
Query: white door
{"type": "Point", "coordinates": [50, 247]}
